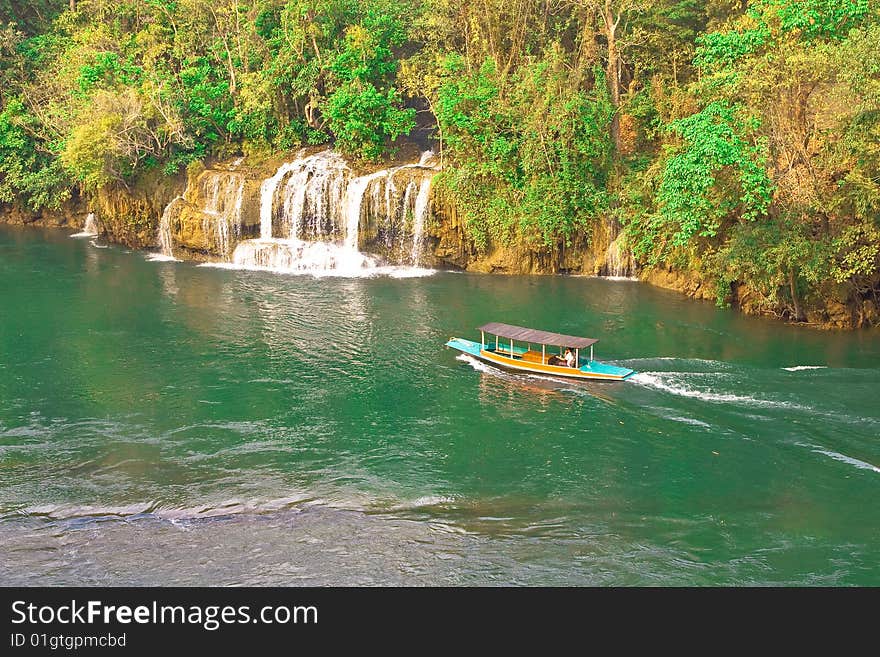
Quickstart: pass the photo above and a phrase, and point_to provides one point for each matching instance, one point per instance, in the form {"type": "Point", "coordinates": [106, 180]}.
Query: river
{"type": "Point", "coordinates": [163, 423]}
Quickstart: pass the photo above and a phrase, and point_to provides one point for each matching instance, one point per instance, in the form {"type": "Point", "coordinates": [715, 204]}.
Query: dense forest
{"type": "Point", "coordinates": [738, 140]}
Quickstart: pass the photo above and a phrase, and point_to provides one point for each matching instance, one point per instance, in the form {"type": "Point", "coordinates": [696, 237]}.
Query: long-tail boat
{"type": "Point", "coordinates": [539, 352]}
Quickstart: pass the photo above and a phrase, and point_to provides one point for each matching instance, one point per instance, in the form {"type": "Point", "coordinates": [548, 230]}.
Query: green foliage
{"type": "Point", "coordinates": [722, 49]}
{"type": "Point", "coordinates": [363, 118]}
{"type": "Point", "coordinates": [364, 110]}
{"type": "Point", "coordinates": [530, 165]}
{"type": "Point", "coordinates": [857, 254]}
{"type": "Point", "coordinates": [774, 182]}
{"type": "Point", "coordinates": [768, 256]}
{"type": "Point", "coordinates": [817, 18]}
{"type": "Point", "coordinates": [207, 101]}
{"type": "Point", "coordinates": [106, 70]}
{"type": "Point", "coordinates": [716, 175]}
{"type": "Point", "coordinates": [25, 173]}
{"type": "Point", "coordinates": [90, 149]}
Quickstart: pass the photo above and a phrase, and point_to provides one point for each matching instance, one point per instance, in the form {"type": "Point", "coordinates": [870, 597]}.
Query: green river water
{"type": "Point", "coordinates": [163, 423]}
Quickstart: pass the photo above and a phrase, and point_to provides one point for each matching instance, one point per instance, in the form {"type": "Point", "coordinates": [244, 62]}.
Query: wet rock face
{"type": "Point", "coordinates": [315, 197]}
{"type": "Point", "coordinates": [390, 214]}
{"type": "Point", "coordinates": [688, 283]}
{"type": "Point", "coordinates": [831, 308]}
{"type": "Point", "coordinates": [396, 217]}
{"type": "Point", "coordinates": [869, 313]}
{"type": "Point", "coordinates": [129, 214]}
{"type": "Point", "coordinates": [73, 214]}
{"type": "Point", "coordinates": [449, 244]}
{"type": "Point", "coordinates": [216, 211]}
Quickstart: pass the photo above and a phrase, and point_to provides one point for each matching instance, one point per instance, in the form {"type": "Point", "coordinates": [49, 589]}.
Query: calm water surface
{"type": "Point", "coordinates": [163, 423]}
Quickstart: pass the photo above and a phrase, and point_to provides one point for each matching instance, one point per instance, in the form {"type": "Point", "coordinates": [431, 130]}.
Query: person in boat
{"type": "Point", "coordinates": [566, 360]}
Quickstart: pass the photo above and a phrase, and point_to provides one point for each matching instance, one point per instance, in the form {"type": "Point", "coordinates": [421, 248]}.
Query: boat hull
{"type": "Point", "coordinates": [592, 370]}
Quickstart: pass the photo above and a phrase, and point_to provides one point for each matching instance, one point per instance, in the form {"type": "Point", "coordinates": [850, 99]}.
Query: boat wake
{"type": "Point", "coordinates": [798, 368]}
{"type": "Point", "coordinates": [701, 364]}
{"type": "Point", "coordinates": [478, 365]}
{"type": "Point", "coordinates": [837, 456]}
{"type": "Point", "coordinates": [657, 381]}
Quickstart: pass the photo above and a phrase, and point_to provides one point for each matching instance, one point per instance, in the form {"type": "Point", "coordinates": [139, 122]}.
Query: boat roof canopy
{"type": "Point", "coordinates": [532, 335]}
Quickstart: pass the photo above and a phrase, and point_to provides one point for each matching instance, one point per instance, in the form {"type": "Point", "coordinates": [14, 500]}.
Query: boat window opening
{"type": "Point", "coordinates": [496, 343]}
{"type": "Point", "coordinates": [544, 354]}
{"type": "Point", "coordinates": [577, 357]}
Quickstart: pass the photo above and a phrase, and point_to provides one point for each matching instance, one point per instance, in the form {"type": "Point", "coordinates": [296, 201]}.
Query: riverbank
{"type": "Point", "coordinates": [292, 212]}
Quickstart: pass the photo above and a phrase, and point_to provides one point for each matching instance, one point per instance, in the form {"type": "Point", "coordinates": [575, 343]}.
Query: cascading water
{"type": "Point", "coordinates": [166, 243]}
{"type": "Point", "coordinates": [404, 210]}
{"type": "Point", "coordinates": [304, 204]}
{"type": "Point", "coordinates": [618, 259]}
{"type": "Point", "coordinates": [313, 211]}
{"type": "Point", "coordinates": [267, 198]}
{"type": "Point", "coordinates": [420, 213]}
{"type": "Point", "coordinates": [354, 200]}
{"type": "Point", "coordinates": [90, 228]}
{"type": "Point", "coordinates": [223, 193]}
{"type": "Point", "coordinates": [208, 215]}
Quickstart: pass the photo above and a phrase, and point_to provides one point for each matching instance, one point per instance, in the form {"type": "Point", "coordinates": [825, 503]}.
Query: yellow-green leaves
{"type": "Point", "coordinates": [717, 175]}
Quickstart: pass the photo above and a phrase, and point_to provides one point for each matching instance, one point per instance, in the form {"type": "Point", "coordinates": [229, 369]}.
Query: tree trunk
{"type": "Point", "coordinates": [612, 71]}
{"type": "Point", "coordinates": [792, 286]}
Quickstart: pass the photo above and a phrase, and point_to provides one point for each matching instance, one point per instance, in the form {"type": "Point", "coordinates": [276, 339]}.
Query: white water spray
{"type": "Point", "coordinates": [90, 228]}
{"type": "Point", "coordinates": [618, 259]}
{"type": "Point", "coordinates": [313, 211]}
{"type": "Point", "coordinates": [166, 242]}
{"type": "Point", "coordinates": [420, 213]}
{"type": "Point", "coordinates": [224, 193]}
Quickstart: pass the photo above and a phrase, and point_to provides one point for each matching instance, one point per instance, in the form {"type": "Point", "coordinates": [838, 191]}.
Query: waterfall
{"type": "Point", "coordinates": [267, 198]}
{"type": "Point", "coordinates": [166, 243]}
{"type": "Point", "coordinates": [315, 194]}
{"type": "Point", "coordinates": [313, 212]}
{"type": "Point", "coordinates": [618, 259]}
{"type": "Point", "coordinates": [217, 224]}
{"type": "Point", "coordinates": [404, 210]}
{"type": "Point", "coordinates": [420, 213]}
{"type": "Point", "coordinates": [354, 199]}
{"type": "Point", "coordinates": [223, 192]}
{"type": "Point", "coordinates": [90, 228]}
